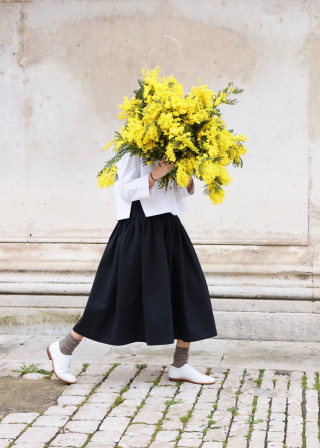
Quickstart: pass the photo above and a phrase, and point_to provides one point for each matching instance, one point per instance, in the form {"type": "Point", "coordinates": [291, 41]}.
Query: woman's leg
{"type": "Point", "coordinates": [70, 342]}
{"type": "Point", "coordinates": [181, 343]}
{"type": "Point", "coordinates": [76, 335]}
{"type": "Point", "coordinates": [181, 353]}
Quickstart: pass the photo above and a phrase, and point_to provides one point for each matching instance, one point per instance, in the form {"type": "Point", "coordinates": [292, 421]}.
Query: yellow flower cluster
{"type": "Point", "coordinates": [107, 176]}
{"type": "Point", "coordinates": [186, 130]}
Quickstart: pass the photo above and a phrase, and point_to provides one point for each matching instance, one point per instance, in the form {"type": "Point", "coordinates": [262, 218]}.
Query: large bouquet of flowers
{"type": "Point", "coordinates": [188, 130]}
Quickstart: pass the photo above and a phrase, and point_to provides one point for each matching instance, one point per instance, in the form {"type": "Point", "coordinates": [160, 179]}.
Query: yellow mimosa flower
{"type": "Point", "coordinates": [186, 129]}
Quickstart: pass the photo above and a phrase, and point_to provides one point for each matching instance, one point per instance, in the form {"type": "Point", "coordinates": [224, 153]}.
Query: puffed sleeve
{"type": "Point", "coordinates": [131, 186]}
{"type": "Point", "coordinates": [183, 191]}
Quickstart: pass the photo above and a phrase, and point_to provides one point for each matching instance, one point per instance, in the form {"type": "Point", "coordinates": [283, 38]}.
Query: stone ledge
{"type": "Point", "coordinates": [288, 285]}
{"type": "Point", "coordinates": [238, 304]}
{"type": "Point", "coordinates": [231, 270]}
{"type": "Point", "coordinates": [303, 327]}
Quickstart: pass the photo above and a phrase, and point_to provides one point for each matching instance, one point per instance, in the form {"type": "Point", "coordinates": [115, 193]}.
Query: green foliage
{"type": "Point", "coordinates": [250, 420]}
{"type": "Point", "coordinates": [31, 369]}
{"type": "Point", "coordinates": [233, 410]}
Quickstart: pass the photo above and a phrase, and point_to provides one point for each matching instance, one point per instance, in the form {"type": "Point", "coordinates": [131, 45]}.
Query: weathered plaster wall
{"type": "Point", "coordinates": [65, 67]}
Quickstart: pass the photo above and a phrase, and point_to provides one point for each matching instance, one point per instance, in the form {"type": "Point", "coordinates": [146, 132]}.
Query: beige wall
{"type": "Point", "coordinates": [65, 67]}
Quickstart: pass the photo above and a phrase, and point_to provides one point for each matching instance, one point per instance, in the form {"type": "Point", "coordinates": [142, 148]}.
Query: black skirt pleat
{"type": "Point", "coordinates": [149, 285]}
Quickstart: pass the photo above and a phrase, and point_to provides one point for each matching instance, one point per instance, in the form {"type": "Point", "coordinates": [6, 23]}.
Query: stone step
{"type": "Point", "coordinates": [235, 318]}
{"type": "Point", "coordinates": [258, 292]}
{"type": "Point", "coordinates": [238, 304]}
{"type": "Point", "coordinates": [246, 284]}
{"type": "Point", "coordinates": [231, 270]}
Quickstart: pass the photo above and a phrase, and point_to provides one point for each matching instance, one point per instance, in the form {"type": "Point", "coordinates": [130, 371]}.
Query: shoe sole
{"type": "Point", "coordinates": [50, 357]}
{"type": "Point", "coordinates": [183, 379]}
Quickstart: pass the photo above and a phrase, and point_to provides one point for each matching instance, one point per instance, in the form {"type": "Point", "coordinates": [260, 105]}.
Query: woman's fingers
{"type": "Point", "coordinates": [167, 164]}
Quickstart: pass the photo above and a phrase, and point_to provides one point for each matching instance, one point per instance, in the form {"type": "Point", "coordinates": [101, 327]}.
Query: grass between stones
{"type": "Point", "coordinates": [317, 387]}
{"type": "Point", "coordinates": [303, 408]}
{"type": "Point", "coordinates": [154, 384]}
{"type": "Point", "coordinates": [175, 400]}
{"type": "Point", "coordinates": [211, 422]}
{"type": "Point", "coordinates": [286, 418]}
{"type": "Point", "coordinates": [187, 417]}
{"type": "Point", "coordinates": [84, 368]}
{"type": "Point", "coordinates": [234, 409]}
{"type": "Point", "coordinates": [251, 419]}
{"type": "Point", "coordinates": [168, 403]}
{"type": "Point", "coordinates": [274, 381]}
{"type": "Point", "coordinates": [32, 368]}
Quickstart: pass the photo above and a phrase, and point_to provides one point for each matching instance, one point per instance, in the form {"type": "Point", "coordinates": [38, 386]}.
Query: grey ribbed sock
{"type": "Point", "coordinates": [68, 344]}
{"type": "Point", "coordinates": [180, 356]}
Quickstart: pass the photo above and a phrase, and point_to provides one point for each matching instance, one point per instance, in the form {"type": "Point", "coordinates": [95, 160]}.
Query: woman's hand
{"type": "Point", "coordinates": [162, 169]}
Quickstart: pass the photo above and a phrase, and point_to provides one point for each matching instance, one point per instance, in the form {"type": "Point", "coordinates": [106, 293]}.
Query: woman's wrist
{"type": "Point", "coordinates": [152, 176]}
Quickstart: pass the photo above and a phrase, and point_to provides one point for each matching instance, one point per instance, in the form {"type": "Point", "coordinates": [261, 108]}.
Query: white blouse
{"type": "Point", "coordinates": [133, 184]}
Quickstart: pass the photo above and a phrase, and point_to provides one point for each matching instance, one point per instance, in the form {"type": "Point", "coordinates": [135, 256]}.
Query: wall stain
{"type": "Point", "coordinates": [310, 49]}
{"type": "Point", "coordinates": [196, 48]}
{"type": "Point", "coordinates": [100, 59]}
{"type": "Point", "coordinates": [28, 109]}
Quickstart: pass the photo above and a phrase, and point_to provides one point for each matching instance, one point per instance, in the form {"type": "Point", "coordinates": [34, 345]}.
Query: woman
{"type": "Point", "coordinates": [149, 286]}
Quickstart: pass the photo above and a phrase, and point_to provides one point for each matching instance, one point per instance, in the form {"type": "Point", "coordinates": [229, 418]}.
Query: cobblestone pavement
{"type": "Point", "coordinates": [124, 403]}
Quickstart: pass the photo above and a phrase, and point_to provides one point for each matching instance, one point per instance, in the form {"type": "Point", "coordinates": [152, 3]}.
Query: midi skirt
{"type": "Point", "coordinates": [149, 286]}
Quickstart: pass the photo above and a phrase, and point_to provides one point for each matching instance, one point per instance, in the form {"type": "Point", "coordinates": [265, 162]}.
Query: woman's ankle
{"type": "Point", "coordinates": [68, 343]}
{"type": "Point", "coordinates": [180, 356]}
{"type": "Point", "coordinates": [76, 335]}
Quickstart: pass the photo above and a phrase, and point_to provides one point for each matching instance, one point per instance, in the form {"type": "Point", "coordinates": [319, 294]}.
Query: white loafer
{"type": "Point", "coordinates": [60, 363]}
{"type": "Point", "coordinates": [188, 373]}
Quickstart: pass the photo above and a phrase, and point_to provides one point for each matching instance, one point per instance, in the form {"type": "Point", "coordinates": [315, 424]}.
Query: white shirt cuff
{"type": "Point", "coordinates": [138, 189]}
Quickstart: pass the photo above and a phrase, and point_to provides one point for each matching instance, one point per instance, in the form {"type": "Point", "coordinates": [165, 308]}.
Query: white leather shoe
{"type": "Point", "coordinates": [188, 373]}
{"type": "Point", "coordinates": [60, 363]}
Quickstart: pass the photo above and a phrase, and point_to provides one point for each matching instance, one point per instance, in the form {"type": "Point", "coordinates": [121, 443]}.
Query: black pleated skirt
{"type": "Point", "coordinates": [149, 286]}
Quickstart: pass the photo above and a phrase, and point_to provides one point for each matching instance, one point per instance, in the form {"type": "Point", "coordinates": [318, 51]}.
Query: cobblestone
{"type": "Point", "coordinates": [11, 430]}
{"type": "Point", "coordinates": [125, 405]}
{"type": "Point", "coordinates": [38, 434]}
{"type": "Point", "coordinates": [82, 426]}
{"type": "Point", "coordinates": [71, 439]}
{"type": "Point", "coordinates": [20, 417]}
